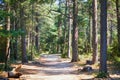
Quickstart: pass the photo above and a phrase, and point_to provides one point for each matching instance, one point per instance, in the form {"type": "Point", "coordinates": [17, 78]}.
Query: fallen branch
{"type": "Point", "coordinates": [15, 72]}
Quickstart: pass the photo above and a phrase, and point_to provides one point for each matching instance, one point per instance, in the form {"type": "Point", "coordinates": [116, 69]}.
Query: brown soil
{"type": "Point", "coordinates": [52, 67]}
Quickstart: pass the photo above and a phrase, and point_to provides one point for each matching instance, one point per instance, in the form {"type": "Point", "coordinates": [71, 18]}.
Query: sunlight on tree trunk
{"type": "Point", "coordinates": [94, 33]}
{"type": "Point", "coordinates": [7, 39]}
{"type": "Point", "coordinates": [69, 29]}
{"type": "Point", "coordinates": [75, 33]}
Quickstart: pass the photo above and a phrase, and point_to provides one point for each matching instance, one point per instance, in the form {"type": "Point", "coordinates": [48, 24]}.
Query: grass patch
{"type": "Point", "coordinates": [102, 75]}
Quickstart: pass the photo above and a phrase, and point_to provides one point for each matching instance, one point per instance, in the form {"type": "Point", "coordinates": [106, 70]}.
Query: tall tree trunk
{"type": "Point", "coordinates": [65, 26]}
{"type": "Point", "coordinates": [118, 21]}
{"type": "Point", "coordinates": [37, 31]}
{"type": "Point", "coordinates": [32, 34]}
{"type": "Point", "coordinates": [59, 29]}
{"type": "Point", "coordinates": [15, 27]}
{"type": "Point", "coordinates": [94, 33]}
{"type": "Point", "coordinates": [75, 33]}
{"type": "Point", "coordinates": [7, 53]}
{"type": "Point", "coordinates": [103, 36]}
{"type": "Point", "coordinates": [23, 40]}
{"type": "Point", "coordinates": [69, 29]}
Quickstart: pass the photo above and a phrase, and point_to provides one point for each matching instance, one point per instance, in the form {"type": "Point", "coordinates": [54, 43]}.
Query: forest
{"type": "Point", "coordinates": [84, 32]}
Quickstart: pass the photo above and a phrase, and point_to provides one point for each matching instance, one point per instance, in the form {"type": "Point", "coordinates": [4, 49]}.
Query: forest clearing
{"type": "Point", "coordinates": [59, 39]}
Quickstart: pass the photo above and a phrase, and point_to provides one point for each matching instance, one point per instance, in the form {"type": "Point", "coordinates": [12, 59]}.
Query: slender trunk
{"type": "Point", "coordinates": [94, 33]}
{"type": "Point", "coordinates": [37, 31]}
{"type": "Point", "coordinates": [32, 34]}
{"type": "Point", "coordinates": [15, 27]}
{"type": "Point", "coordinates": [69, 29]}
{"type": "Point", "coordinates": [15, 49]}
{"type": "Point", "coordinates": [103, 36]}
{"type": "Point", "coordinates": [7, 39]}
{"type": "Point", "coordinates": [37, 38]}
{"type": "Point", "coordinates": [23, 40]}
{"type": "Point", "coordinates": [24, 53]}
{"type": "Point", "coordinates": [59, 29]}
{"type": "Point", "coordinates": [32, 40]}
{"type": "Point", "coordinates": [65, 28]}
{"type": "Point", "coordinates": [118, 21]}
{"type": "Point", "coordinates": [90, 33]}
{"type": "Point", "coordinates": [75, 33]}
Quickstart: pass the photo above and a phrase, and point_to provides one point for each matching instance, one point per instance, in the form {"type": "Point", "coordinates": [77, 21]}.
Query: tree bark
{"type": "Point", "coordinates": [94, 33]}
{"type": "Point", "coordinates": [65, 26]}
{"type": "Point", "coordinates": [7, 39]}
{"type": "Point", "coordinates": [103, 36]}
{"type": "Point", "coordinates": [118, 21]}
{"type": "Point", "coordinates": [23, 40]}
{"type": "Point", "coordinates": [75, 33]}
{"type": "Point", "coordinates": [69, 29]}
{"type": "Point", "coordinates": [37, 38]}
{"type": "Point", "coordinates": [59, 29]}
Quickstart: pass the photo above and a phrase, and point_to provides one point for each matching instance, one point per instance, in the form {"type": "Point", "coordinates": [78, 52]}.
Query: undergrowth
{"type": "Point", "coordinates": [102, 75]}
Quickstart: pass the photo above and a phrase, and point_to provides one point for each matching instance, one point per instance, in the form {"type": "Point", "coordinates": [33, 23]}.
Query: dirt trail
{"type": "Point", "coordinates": [52, 67]}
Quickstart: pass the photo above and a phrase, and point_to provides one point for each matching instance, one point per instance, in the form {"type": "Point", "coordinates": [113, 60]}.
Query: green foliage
{"type": "Point", "coordinates": [11, 33]}
{"type": "Point", "coordinates": [102, 75]}
{"type": "Point", "coordinates": [64, 55]}
{"type": "Point", "coordinates": [1, 67]}
{"type": "Point", "coordinates": [2, 49]}
{"type": "Point", "coordinates": [113, 51]}
{"type": "Point", "coordinates": [9, 68]}
{"type": "Point", "coordinates": [114, 54]}
{"type": "Point", "coordinates": [3, 15]}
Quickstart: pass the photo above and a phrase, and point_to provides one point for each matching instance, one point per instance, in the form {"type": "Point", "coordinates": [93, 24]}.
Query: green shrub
{"type": "Point", "coordinates": [2, 67]}
{"type": "Point", "coordinates": [64, 55]}
{"type": "Point", "coordinates": [113, 51]}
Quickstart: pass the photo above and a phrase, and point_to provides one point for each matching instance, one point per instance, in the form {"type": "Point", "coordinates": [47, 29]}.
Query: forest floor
{"type": "Point", "coordinates": [52, 67]}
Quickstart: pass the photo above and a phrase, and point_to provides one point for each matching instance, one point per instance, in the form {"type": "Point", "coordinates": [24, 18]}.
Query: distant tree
{"type": "Point", "coordinates": [75, 32]}
{"type": "Point", "coordinates": [103, 36]}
